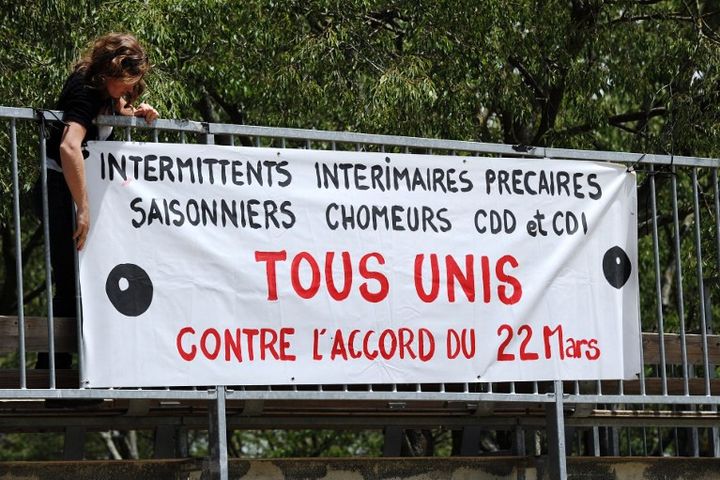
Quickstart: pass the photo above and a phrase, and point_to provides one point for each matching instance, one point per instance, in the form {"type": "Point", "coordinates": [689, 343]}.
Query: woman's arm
{"type": "Point", "coordinates": [73, 166]}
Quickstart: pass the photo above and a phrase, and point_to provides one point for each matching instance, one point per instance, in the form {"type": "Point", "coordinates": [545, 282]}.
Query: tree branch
{"type": "Point", "coordinates": [528, 78]}
{"type": "Point", "coordinates": [236, 114]}
{"type": "Point", "coordinates": [618, 120]}
{"type": "Point", "coordinates": [34, 242]}
{"type": "Point", "coordinates": [29, 297]}
{"type": "Point", "coordinates": [635, 116]}
{"type": "Point", "coordinates": [655, 16]}
{"type": "Point", "coordinates": [387, 20]}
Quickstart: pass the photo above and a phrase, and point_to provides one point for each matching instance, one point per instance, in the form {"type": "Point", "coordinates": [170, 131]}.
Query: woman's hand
{"type": "Point", "coordinates": [82, 226]}
{"type": "Point", "coordinates": [146, 111]}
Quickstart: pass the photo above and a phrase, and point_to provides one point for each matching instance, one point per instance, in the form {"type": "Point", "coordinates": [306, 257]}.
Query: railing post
{"type": "Point", "coordinates": [556, 435]}
{"type": "Point", "coordinates": [217, 433]}
{"type": "Point", "coordinates": [18, 254]}
{"type": "Point", "coordinates": [46, 245]}
{"type": "Point", "coordinates": [74, 446]}
{"type": "Point", "coordinates": [392, 441]}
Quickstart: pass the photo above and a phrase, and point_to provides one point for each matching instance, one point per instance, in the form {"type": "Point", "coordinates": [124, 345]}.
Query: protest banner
{"type": "Point", "coordinates": [213, 265]}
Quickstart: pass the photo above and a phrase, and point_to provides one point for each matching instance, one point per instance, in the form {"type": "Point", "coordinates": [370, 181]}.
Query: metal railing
{"type": "Point", "coordinates": [679, 210]}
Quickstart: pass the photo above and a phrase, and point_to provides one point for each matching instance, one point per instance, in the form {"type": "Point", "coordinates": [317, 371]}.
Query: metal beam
{"type": "Point", "coordinates": [217, 433]}
{"type": "Point", "coordinates": [392, 441]}
{"type": "Point", "coordinates": [74, 446]}
{"type": "Point", "coordinates": [556, 435]}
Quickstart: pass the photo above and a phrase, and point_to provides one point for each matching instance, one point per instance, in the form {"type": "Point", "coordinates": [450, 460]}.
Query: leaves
{"type": "Point", "coordinates": [625, 75]}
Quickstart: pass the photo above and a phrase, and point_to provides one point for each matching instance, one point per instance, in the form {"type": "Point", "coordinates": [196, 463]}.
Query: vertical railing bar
{"type": "Point", "coordinates": [48, 268]}
{"type": "Point", "coordinates": [218, 437]}
{"type": "Point", "coordinates": [308, 144]}
{"type": "Point", "coordinates": [579, 445]}
{"type": "Point", "coordinates": [155, 135]}
{"type": "Point", "coordinates": [232, 140]}
{"type": "Point", "coordinates": [520, 449]}
{"type": "Point", "coordinates": [182, 136]}
{"type": "Point", "coordinates": [679, 281]}
{"type": "Point", "coordinates": [556, 434]}
{"type": "Point", "coordinates": [258, 142]}
{"type": "Point", "coordinates": [642, 353]}
{"type": "Point", "coordinates": [128, 135]}
{"type": "Point", "coordinates": [78, 313]}
{"type": "Point", "coordinates": [658, 286]}
{"type": "Point", "coordinates": [596, 441]}
{"type": "Point", "coordinates": [283, 143]}
{"type": "Point", "coordinates": [644, 441]}
{"type": "Point", "coordinates": [18, 253]}
{"type": "Point", "coordinates": [716, 188]}
{"type": "Point", "coordinates": [714, 432]}
{"type": "Point", "coordinates": [701, 282]}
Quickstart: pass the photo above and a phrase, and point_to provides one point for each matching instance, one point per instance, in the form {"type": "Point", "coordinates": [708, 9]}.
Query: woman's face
{"type": "Point", "coordinates": [120, 87]}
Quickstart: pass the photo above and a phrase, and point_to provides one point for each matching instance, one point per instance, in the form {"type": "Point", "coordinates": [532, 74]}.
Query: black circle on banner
{"type": "Point", "coordinates": [129, 289]}
{"type": "Point", "coordinates": [616, 267]}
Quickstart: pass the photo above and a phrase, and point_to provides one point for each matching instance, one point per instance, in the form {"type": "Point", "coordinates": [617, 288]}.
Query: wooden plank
{"type": "Point", "coordinates": [653, 386]}
{"type": "Point", "coordinates": [39, 378]}
{"type": "Point", "coordinates": [36, 334]}
{"type": "Point", "coordinates": [673, 351]}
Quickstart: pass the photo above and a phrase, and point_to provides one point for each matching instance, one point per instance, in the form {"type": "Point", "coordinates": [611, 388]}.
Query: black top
{"type": "Point", "coordinates": [80, 103]}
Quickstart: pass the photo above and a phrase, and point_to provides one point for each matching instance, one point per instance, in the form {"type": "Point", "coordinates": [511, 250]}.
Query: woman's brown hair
{"type": "Point", "coordinates": [115, 55]}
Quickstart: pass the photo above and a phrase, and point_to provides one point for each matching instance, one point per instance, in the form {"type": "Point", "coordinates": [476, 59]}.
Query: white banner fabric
{"type": "Point", "coordinates": [213, 265]}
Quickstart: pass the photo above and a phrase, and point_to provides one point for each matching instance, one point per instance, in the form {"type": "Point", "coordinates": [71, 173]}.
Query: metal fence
{"type": "Point", "coordinates": [672, 408]}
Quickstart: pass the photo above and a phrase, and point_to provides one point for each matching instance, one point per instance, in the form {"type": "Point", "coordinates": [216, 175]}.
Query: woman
{"type": "Point", "coordinates": [107, 80]}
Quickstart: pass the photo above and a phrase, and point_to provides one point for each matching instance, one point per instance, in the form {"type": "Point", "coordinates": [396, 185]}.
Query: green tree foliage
{"type": "Point", "coordinates": [613, 75]}
{"type": "Point", "coordinates": [301, 443]}
{"type": "Point", "coordinates": [622, 75]}
{"type": "Point", "coordinates": [626, 75]}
